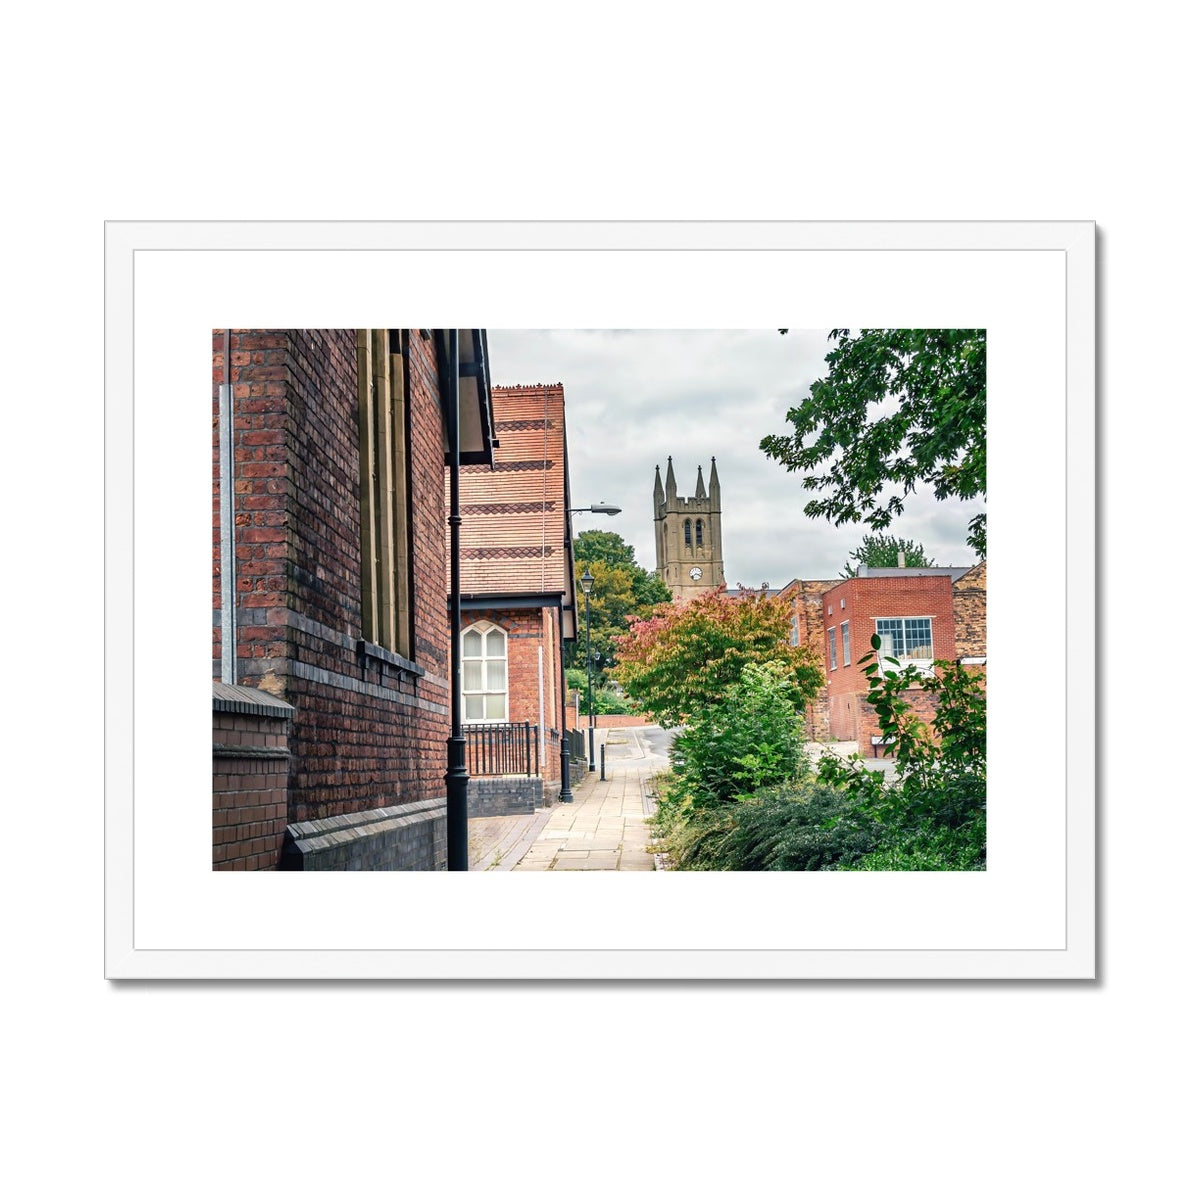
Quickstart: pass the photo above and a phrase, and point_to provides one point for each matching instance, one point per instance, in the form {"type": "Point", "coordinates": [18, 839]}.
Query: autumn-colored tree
{"type": "Point", "coordinates": [681, 659]}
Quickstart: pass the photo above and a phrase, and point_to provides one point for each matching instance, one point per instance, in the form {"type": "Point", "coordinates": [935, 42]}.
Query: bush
{"type": "Point", "coordinates": [801, 827]}
{"type": "Point", "coordinates": [750, 739]}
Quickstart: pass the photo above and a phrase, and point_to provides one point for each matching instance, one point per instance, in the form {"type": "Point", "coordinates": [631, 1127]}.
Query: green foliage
{"type": "Point", "coordinates": [884, 550]}
{"type": "Point", "coordinates": [896, 408]}
{"type": "Point", "coordinates": [749, 739]}
{"type": "Point", "coordinates": [935, 816]}
{"type": "Point", "coordinates": [622, 591]}
{"type": "Point", "coordinates": [800, 827]}
{"type": "Point", "coordinates": [681, 659]}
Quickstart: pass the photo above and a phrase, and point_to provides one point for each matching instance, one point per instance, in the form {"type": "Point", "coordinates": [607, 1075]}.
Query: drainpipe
{"type": "Point", "coordinates": [456, 745]}
{"type": "Point", "coordinates": [228, 546]}
{"type": "Point", "coordinates": [565, 794]}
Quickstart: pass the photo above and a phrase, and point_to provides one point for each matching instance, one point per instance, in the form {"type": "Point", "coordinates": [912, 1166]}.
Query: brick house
{"type": "Point", "coordinates": [331, 666]}
{"type": "Point", "coordinates": [920, 613]}
{"type": "Point", "coordinates": [518, 594]}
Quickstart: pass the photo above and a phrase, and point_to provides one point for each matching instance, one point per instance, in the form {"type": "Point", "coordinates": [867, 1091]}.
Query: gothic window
{"type": "Point", "coordinates": [687, 532]}
{"type": "Point", "coordinates": [485, 673]}
{"type": "Point", "coordinates": [699, 533]}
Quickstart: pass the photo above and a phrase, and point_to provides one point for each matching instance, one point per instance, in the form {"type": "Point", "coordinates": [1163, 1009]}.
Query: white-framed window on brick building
{"type": "Point", "coordinates": [383, 491]}
{"type": "Point", "coordinates": [909, 640]}
{"type": "Point", "coordinates": [833, 649]}
{"type": "Point", "coordinates": [485, 673]}
{"type": "Point", "coordinates": [845, 643]}
{"type": "Point", "coordinates": [794, 636]}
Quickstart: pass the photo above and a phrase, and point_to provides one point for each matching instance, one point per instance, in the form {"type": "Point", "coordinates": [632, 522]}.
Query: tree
{"type": "Point", "coordinates": [681, 659]}
{"type": "Point", "coordinates": [883, 550]}
{"type": "Point", "coordinates": [897, 408]}
{"type": "Point", "coordinates": [622, 590]}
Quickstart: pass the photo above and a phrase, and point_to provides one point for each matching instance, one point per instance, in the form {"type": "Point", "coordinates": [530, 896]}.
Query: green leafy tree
{"type": "Point", "coordinates": [897, 408]}
{"type": "Point", "coordinates": [681, 659]}
{"type": "Point", "coordinates": [622, 590]}
{"type": "Point", "coordinates": [884, 550]}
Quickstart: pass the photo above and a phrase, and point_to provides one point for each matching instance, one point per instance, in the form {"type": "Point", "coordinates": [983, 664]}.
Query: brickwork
{"type": "Point", "coordinates": [409, 837]}
{"type": "Point", "coordinates": [970, 612]}
{"type": "Point", "coordinates": [859, 601]}
{"type": "Point", "coordinates": [527, 630]}
{"type": "Point", "coordinates": [250, 776]}
{"type": "Point", "coordinates": [503, 795]}
{"type": "Point", "coordinates": [370, 727]}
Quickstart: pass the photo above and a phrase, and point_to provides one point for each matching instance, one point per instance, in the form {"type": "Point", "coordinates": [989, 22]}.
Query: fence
{"type": "Point", "coordinates": [577, 745]}
{"type": "Point", "coordinates": [508, 749]}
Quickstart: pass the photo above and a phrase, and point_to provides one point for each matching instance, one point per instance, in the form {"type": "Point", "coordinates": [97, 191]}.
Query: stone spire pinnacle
{"type": "Point", "coordinates": [714, 485]}
{"type": "Point", "coordinates": [659, 495]}
{"type": "Point", "coordinates": [701, 494]}
{"type": "Point", "coordinates": [672, 490]}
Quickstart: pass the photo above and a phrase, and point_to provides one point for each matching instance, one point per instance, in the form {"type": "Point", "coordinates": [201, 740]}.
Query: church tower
{"type": "Point", "coordinates": [687, 535]}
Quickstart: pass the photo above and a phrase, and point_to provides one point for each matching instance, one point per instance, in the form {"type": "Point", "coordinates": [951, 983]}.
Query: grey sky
{"type": "Point", "coordinates": [635, 396]}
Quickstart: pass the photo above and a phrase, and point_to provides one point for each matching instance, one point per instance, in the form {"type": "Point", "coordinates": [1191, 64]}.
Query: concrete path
{"type": "Point", "coordinates": [605, 829]}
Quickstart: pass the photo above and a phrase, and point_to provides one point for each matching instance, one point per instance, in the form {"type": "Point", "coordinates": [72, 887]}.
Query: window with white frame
{"type": "Point", "coordinates": [845, 643]}
{"type": "Point", "coordinates": [485, 673]}
{"type": "Point", "coordinates": [909, 640]}
{"type": "Point", "coordinates": [795, 634]}
{"type": "Point", "coordinates": [833, 649]}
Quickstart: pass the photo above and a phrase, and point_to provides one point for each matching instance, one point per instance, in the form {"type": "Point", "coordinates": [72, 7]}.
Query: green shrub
{"type": "Point", "coordinates": [750, 739]}
{"type": "Point", "coordinates": [800, 827]}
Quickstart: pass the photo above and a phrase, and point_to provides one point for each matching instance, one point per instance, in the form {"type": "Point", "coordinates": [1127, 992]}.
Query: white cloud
{"type": "Point", "coordinates": [636, 396]}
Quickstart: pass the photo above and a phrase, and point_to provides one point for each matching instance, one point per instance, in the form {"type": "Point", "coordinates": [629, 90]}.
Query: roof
{"type": "Point", "coordinates": [515, 520]}
{"type": "Point", "coordinates": [884, 572]}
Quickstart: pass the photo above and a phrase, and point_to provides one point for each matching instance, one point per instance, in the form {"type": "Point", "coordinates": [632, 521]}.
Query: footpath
{"type": "Point", "coordinates": [604, 829]}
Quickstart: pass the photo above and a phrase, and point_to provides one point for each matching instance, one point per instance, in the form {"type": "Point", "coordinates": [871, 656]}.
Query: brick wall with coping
{"type": "Point", "coordinates": [370, 727]}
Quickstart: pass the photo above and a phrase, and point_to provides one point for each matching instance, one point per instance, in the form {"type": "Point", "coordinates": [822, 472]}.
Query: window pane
{"type": "Point", "coordinates": [472, 676]}
{"type": "Point", "coordinates": [496, 677]}
{"type": "Point", "coordinates": [845, 643]}
{"type": "Point", "coordinates": [474, 708]}
{"type": "Point", "coordinates": [495, 708]}
{"type": "Point", "coordinates": [472, 643]}
{"type": "Point", "coordinates": [495, 644]}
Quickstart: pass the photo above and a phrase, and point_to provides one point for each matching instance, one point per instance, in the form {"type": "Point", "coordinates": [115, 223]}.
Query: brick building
{"type": "Point", "coordinates": [518, 589]}
{"type": "Point", "coordinates": [331, 674]}
{"type": "Point", "coordinates": [920, 614]}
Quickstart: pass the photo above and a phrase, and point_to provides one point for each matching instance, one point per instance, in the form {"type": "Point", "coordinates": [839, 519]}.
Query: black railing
{"type": "Point", "coordinates": [578, 744]}
{"type": "Point", "coordinates": [508, 749]}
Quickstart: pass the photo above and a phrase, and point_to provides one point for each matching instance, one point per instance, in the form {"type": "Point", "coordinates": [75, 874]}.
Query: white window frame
{"type": "Point", "coordinates": [484, 628]}
{"type": "Point", "coordinates": [922, 663]}
{"type": "Point", "coordinates": [845, 643]}
{"type": "Point", "coordinates": [832, 648]}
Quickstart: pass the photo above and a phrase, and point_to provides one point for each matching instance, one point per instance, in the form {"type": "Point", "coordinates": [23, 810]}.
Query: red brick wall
{"type": "Point", "coordinates": [528, 629]}
{"type": "Point", "coordinates": [367, 733]}
{"type": "Point", "coordinates": [865, 599]}
{"type": "Point", "coordinates": [249, 791]}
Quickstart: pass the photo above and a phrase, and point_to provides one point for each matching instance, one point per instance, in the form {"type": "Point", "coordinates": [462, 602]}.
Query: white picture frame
{"type": "Point", "coordinates": [1031, 915]}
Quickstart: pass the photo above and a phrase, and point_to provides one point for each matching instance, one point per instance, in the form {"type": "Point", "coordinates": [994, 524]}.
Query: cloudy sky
{"type": "Point", "coordinates": [635, 396]}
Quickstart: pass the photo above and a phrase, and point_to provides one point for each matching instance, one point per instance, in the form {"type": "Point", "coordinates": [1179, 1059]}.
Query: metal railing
{"type": "Point", "coordinates": [577, 744]}
{"type": "Point", "coordinates": [507, 749]}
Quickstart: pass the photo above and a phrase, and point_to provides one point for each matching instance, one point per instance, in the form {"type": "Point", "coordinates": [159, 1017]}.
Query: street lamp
{"type": "Point", "coordinates": [608, 510]}
{"type": "Point", "coordinates": [586, 583]}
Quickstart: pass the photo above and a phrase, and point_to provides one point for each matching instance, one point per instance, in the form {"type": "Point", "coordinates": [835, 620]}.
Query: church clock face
{"type": "Point", "coordinates": [695, 572]}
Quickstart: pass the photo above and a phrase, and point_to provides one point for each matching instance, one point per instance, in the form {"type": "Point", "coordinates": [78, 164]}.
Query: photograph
{"type": "Point", "coordinates": [563, 600]}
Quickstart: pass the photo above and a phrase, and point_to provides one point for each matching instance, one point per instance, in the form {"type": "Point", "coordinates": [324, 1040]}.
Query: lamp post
{"type": "Point", "coordinates": [586, 583]}
{"type": "Point", "coordinates": [565, 796]}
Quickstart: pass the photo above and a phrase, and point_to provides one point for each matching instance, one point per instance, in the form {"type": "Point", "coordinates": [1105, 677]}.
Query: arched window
{"type": "Point", "coordinates": [699, 533]}
{"type": "Point", "coordinates": [687, 532]}
{"type": "Point", "coordinates": [485, 672]}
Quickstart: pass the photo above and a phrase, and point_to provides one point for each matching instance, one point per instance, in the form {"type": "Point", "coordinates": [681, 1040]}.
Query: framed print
{"type": "Point", "coordinates": [416, 538]}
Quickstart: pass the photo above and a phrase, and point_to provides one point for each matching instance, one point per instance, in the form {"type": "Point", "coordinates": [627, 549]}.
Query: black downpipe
{"type": "Point", "coordinates": [456, 746]}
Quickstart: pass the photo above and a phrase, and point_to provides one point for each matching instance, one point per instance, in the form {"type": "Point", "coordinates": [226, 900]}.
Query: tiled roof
{"type": "Point", "coordinates": [514, 516]}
